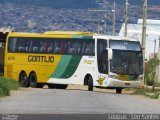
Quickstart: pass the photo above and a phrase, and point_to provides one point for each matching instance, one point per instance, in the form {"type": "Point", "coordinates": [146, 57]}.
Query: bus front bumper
{"type": "Point", "coordinates": [123, 84]}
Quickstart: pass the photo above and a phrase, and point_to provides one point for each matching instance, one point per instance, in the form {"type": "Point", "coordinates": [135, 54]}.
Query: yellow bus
{"type": "Point", "coordinates": [58, 59]}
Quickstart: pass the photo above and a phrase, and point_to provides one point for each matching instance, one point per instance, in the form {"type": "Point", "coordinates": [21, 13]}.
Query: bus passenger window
{"type": "Point", "coordinates": [42, 49]}
{"type": "Point", "coordinates": [57, 50]}
{"type": "Point", "coordinates": [57, 47]}
{"type": "Point", "coordinates": [21, 49]}
{"type": "Point", "coordinates": [63, 46]}
{"type": "Point", "coordinates": [36, 49]}
{"type": "Point", "coordinates": [72, 51]}
{"type": "Point", "coordinates": [83, 48]}
{"type": "Point", "coordinates": [50, 48]}
{"type": "Point", "coordinates": [93, 48]}
{"type": "Point", "coordinates": [27, 49]}
{"type": "Point", "coordinates": [46, 47]}
{"type": "Point", "coordinates": [79, 48]}
{"type": "Point", "coordinates": [88, 51]}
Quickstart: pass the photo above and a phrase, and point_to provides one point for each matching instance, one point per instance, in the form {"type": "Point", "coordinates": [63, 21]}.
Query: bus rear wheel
{"type": "Point", "coordinates": [33, 80]}
{"type": "Point", "coordinates": [119, 90]}
{"type": "Point", "coordinates": [23, 80]}
{"type": "Point", "coordinates": [40, 85]}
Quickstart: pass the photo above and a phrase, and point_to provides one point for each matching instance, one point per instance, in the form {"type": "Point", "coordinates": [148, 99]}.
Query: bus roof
{"type": "Point", "coordinates": [54, 34]}
{"type": "Point", "coordinates": [68, 33]}
{"type": "Point", "coordinates": [107, 37]}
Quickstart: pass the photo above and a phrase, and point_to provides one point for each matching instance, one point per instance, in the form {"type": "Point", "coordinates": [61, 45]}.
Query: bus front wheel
{"type": "Point", "coordinates": [90, 84]}
{"type": "Point", "coordinates": [23, 80]}
{"type": "Point", "coordinates": [119, 90]}
{"type": "Point", "coordinates": [51, 86]}
{"type": "Point", "coordinates": [61, 86]}
{"type": "Point", "coordinates": [57, 86]}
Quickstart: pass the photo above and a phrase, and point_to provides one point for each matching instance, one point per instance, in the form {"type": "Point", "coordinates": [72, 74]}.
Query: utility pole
{"type": "Point", "coordinates": [144, 34]}
{"type": "Point", "coordinates": [155, 48]}
{"type": "Point", "coordinates": [114, 18]}
{"type": "Point", "coordinates": [159, 41]}
{"type": "Point", "coordinates": [98, 26]}
{"type": "Point", "coordinates": [126, 18]}
{"type": "Point", "coordinates": [155, 44]}
{"type": "Point", "coordinates": [105, 19]}
{"type": "Point", "coordinates": [105, 24]}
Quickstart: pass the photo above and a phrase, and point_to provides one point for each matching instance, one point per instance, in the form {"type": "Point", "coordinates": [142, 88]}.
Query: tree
{"type": "Point", "coordinates": [150, 76]}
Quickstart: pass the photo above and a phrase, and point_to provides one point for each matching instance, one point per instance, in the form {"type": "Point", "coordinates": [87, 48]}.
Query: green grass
{"type": "Point", "coordinates": [148, 93]}
{"type": "Point", "coordinates": [6, 85]}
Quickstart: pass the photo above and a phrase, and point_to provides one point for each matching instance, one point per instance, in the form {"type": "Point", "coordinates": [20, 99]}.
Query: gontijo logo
{"type": "Point", "coordinates": [36, 58]}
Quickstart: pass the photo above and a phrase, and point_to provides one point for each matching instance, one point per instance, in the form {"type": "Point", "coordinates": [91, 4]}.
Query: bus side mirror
{"type": "Point", "coordinates": [110, 53]}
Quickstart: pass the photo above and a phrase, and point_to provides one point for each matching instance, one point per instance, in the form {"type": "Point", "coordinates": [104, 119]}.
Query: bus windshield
{"type": "Point", "coordinates": [127, 58]}
{"type": "Point", "coordinates": [125, 45]}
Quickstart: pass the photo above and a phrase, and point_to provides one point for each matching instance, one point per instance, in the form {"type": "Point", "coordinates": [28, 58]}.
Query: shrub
{"type": "Point", "coordinates": [150, 76]}
{"type": "Point", "coordinates": [7, 84]}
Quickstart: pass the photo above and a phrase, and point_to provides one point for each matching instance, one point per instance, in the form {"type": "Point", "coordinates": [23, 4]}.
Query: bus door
{"type": "Point", "coordinates": [3, 37]}
{"type": "Point", "coordinates": [102, 59]}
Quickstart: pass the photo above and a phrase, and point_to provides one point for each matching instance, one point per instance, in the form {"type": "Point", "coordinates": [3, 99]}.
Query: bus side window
{"type": "Point", "coordinates": [73, 48]}
{"type": "Point", "coordinates": [57, 47]}
{"type": "Point", "coordinates": [79, 48]}
{"type": "Point", "coordinates": [83, 48]}
{"type": "Point", "coordinates": [50, 48]}
{"type": "Point", "coordinates": [22, 45]}
{"type": "Point", "coordinates": [35, 49]}
{"type": "Point", "coordinates": [42, 47]}
{"type": "Point", "coordinates": [63, 46]}
{"type": "Point", "coordinates": [21, 49]}
{"type": "Point", "coordinates": [12, 44]}
{"type": "Point", "coordinates": [70, 48]}
{"type": "Point", "coordinates": [36, 45]}
{"type": "Point", "coordinates": [89, 48]}
{"type": "Point", "coordinates": [93, 48]}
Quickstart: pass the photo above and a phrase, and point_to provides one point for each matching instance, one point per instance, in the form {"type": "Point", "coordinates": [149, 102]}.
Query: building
{"type": "Point", "coordinates": [158, 68]}
{"type": "Point", "coordinates": [153, 33]}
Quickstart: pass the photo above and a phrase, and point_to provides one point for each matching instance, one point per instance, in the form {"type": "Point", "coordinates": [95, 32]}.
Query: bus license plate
{"type": "Point", "coordinates": [127, 83]}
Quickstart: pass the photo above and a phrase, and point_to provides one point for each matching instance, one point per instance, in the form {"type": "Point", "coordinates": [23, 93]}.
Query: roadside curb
{"type": "Point", "coordinates": [159, 97]}
{"type": "Point", "coordinates": [153, 95]}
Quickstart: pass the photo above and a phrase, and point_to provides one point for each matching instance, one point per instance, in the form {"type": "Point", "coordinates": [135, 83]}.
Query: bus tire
{"type": "Point", "coordinates": [90, 83]}
{"type": "Point", "coordinates": [51, 86]}
{"type": "Point", "coordinates": [61, 86]}
{"type": "Point", "coordinates": [118, 90]}
{"type": "Point", "coordinates": [57, 86]}
{"type": "Point", "coordinates": [40, 85]}
{"type": "Point", "coordinates": [23, 79]}
{"type": "Point", "coordinates": [33, 80]}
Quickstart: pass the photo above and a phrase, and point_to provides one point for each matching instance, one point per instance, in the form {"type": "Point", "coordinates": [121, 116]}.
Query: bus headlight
{"type": "Point", "coordinates": [113, 76]}
{"type": "Point", "coordinates": [140, 78]}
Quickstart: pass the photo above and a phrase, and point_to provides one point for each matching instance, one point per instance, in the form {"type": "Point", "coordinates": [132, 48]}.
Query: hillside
{"type": "Point", "coordinates": [78, 4]}
{"type": "Point", "coordinates": [57, 3]}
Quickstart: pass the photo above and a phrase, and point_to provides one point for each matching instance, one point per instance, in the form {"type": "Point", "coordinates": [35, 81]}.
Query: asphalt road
{"type": "Point", "coordinates": [53, 101]}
